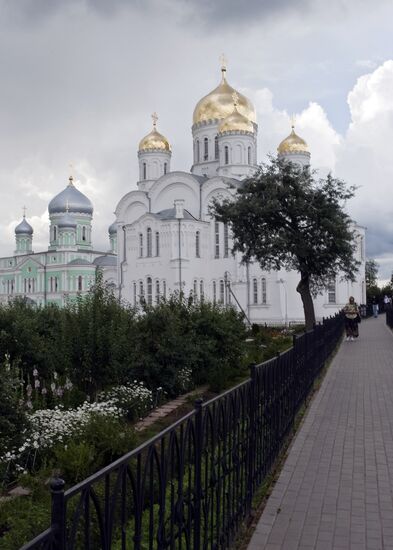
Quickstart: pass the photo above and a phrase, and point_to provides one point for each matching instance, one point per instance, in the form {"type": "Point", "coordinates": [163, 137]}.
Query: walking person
{"type": "Point", "coordinates": [375, 305]}
{"type": "Point", "coordinates": [352, 319]}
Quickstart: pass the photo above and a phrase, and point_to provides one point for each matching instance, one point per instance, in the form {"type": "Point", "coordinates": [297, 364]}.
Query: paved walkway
{"type": "Point", "coordinates": [335, 490]}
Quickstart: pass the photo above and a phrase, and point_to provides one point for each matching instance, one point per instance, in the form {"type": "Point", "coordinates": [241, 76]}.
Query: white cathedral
{"type": "Point", "coordinates": [167, 241]}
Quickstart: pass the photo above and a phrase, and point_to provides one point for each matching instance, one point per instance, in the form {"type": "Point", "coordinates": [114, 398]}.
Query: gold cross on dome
{"type": "Point", "coordinates": [223, 62]}
{"type": "Point", "coordinates": [293, 121]}
{"type": "Point", "coordinates": [24, 211]}
{"type": "Point", "coordinates": [154, 116]}
{"type": "Point", "coordinates": [235, 97]}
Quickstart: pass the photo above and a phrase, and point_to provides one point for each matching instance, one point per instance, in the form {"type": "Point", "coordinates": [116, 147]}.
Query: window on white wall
{"type": "Point", "coordinates": [157, 291]}
{"type": "Point", "coordinates": [222, 291]}
{"type": "Point", "coordinates": [226, 241]}
{"type": "Point", "coordinates": [216, 148]}
{"type": "Point", "coordinates": [216, 239]}
{"type": "Point", "coordinates": [198, 152]}
{"type": "Point", "coordinates": [214, 291]}
{"type": "Point", "coordinates": [144, 171]}
{"type": "Point", "coordinates": [331, 290]}
{"type": "Point", "coordinates": [205, 149]}
{"type": "Point", "coordinates": [255, 291]}
{"type": "Point", "coordinates": [164, 289]}
{"type": "Point", "coordinates": [226, 154]}
{"type": "Point", "coordinates": [80, 283]}
{"type": "Point", "coordinates": [197, 244]}
{"type": "Point", "coordinates": [201, 290]}
{"type": "Point", "coordinates": [140, 245]}
{"type": "Point", "coordinates": [165, 167]}
{"type": "Point", "coordinates": [149, 284]}
{"type": "Point", "coordinates": [141, 292]}
{"type": "Point", "coordinates": [54, 233]}
{"type": "Point", "coordinates": [83, 233]}
{"type": "Point", "coordinates": [148, 243]}
{"type": "Point", "coordinates": [195, 290]}
{"type": "Point", "coordinates": [264, 291]}
{"type": "Point", "coordinates": [249, 155]}
{"type": "Point", "coordinates": [157, 243]}
{"type": "Point", "coordinates": [135, 294]}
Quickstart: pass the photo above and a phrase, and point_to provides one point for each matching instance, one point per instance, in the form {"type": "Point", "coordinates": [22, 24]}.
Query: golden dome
{"type": "Point", "coordinates": [292, 144]}
{"type": "Point", "coordinates": [219, 104]}
{"type": "Point", "coordinates": [154, 140]}
{"type": "Point", "coordinates": [236, 122]}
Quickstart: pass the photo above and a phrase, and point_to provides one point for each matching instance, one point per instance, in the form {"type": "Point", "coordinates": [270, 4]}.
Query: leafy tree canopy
{"type": "Point", "coordinates": [286, 218]}
{"type": "Point", "coordinates": [371, 273]}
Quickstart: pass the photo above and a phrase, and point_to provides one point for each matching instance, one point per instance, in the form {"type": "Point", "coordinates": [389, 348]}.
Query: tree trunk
{"type": "Point", "coordinates": [308, 306]}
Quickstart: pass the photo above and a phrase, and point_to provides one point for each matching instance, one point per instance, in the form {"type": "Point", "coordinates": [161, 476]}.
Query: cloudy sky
{"type": "Point", "coordinates": [80, 78]}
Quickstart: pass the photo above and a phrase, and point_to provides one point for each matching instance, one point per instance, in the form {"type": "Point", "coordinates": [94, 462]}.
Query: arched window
{"type": "Point", "coordinates": [157, 243]}
{"type": "Point", "coordinates": [197, 244]}
{"type": "Point", "coordinates": [205, 149]}
{"type": "Point", "coordinates": [195, 292]}
{"type": "Point", "coordinates": [148, 243]}
{"type": "Point", "coordinates": [226, 154]}
{"type": "Point", "coordinates": [144, 171]}
{"type": "Point", "coordinates": [201, 290]}
{"type": "Point", "coordinates": [140, 245]}
{"type": "Point", "coordinates": [222, 291]}
{"type": "Point", "coordinates": [216, 147]}
{"type": "Point", "coordinates": [198, 152]}
{"type": "Point", "coordinates": [214, 291]}
{"type": "Point", "coordinates": [50, 284]}
{"type": "Point", "coordinates": [165, 167]}
{"type": "Point", "coordinates": [264, 291]}
{"type": "Point", "coordinates": [141, 292]}
{"type": "Point", "coordinates": [226, 241]}
{"type": "Point", "coordinates": [54, 233]}
{"type": "Point", "coordinates": [149, 291]}
{"type": "Point", "coordinates": [255, 291]}
{"type": "Point", "coordinates": [56, 284]}
{"type": "Point", "coordinates": [80, 282]}
{"type": "Point", "coordinates": [164, 289]}
{"type": "Point", "coordinates": [249, 155]}
{"type": "Point", "coordinates": [216, 239]}
{"type": "Point", "coordinates": [157, 291]}
{"type": "Point", "coordinates": [135, 294]}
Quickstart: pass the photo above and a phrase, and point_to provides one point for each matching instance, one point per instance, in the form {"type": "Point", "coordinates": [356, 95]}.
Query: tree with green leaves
{"type": "Point", "coordinates": [371, 273]}
{"type": "Point", "coordinates": [286, 218]}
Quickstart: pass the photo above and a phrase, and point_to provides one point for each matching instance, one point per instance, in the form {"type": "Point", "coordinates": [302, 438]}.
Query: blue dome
{"type": "Point", "coordinates": [24, 228]}
{"type": "Point", "coordinates": [112, 228]}
{"type": "Point", "coordinates": [66, 221]}
{"type": "Point", "coordinates": [72, 199]}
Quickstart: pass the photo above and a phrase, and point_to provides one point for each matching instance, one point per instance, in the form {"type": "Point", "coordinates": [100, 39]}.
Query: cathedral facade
{"type": "Point", "coordinates": [168, 241]}
{"type": "Point", "coordinates": [69, 266]}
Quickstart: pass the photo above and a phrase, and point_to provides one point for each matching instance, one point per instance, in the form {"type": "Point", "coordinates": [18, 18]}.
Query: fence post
{"type": "Point", "coordinates": [251, 436]}
{"type": "Point", "coordinates": [58, 512]}
{"type": "Point", "coordinates": [198, 473]}
{"type": "Point", "coordinates": [294, 381]}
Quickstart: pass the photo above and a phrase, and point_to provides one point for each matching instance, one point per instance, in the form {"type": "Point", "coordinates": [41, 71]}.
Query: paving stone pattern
{"type": "Point", "coordinates": [335, 490]}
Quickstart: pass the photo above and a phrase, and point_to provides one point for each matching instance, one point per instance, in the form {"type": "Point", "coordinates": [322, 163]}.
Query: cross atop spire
{"type": "Point", "coordinates": [154, 117]}
{"type": "Point", "coordinates": [223, 62]}
{"type": "Point", "coordinates": [24, 211]}
{"type": "Point", "coordinates": [293, 121]}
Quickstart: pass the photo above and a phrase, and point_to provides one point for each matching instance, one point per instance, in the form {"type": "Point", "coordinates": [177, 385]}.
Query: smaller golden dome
{"type": "Point", "coordinates": [154, 140]}
{"type": "Point", "coordinates": [292, 144]}
{"type": "Point", "coordinates": [236, 122]}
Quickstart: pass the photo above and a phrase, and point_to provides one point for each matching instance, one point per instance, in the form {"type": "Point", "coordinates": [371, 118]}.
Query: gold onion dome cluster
{"type": "Point", "coordinates": [154, 140]}
{"type": "Point", "coordinates": [293, 144]}
{"type": "Point", "coordinates": [218, 104]}
{"type": "Point", "coordinates": [235, 122]}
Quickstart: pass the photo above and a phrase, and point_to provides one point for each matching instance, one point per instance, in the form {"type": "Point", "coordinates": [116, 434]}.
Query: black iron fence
{"type": "Point", "coordinates": [192, 485]}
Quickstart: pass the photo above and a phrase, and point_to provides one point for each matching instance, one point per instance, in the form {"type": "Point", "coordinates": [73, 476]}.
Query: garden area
{"type": "Point", "coordinates": [75, 381]}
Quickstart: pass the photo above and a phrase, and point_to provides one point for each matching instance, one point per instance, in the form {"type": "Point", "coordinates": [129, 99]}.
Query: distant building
{"type": "Point", "coordinates": [69, 267]}
{"type": "Point", "coordinates": [167, 239]}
